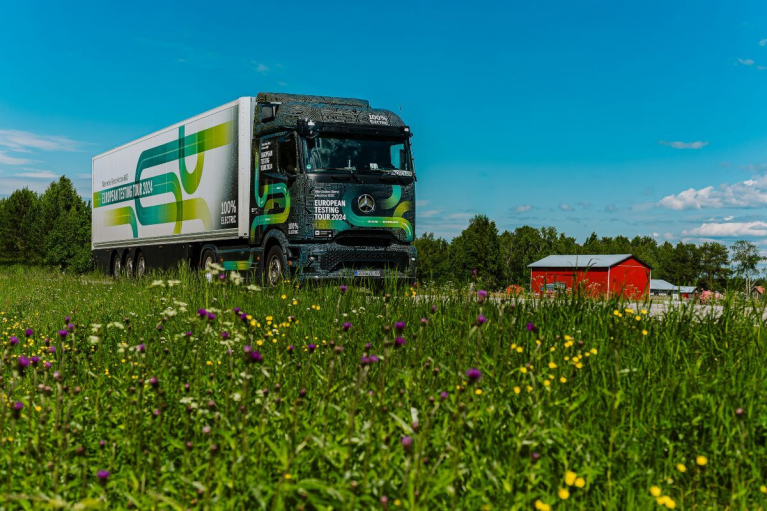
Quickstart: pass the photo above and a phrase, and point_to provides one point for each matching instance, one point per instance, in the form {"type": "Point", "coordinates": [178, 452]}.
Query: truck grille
{"type": "Point", "coordinates": [338, 259]}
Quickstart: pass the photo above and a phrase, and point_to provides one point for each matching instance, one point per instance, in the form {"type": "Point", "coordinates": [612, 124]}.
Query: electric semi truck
{"type": "Point", "coordinates": [280, 185]}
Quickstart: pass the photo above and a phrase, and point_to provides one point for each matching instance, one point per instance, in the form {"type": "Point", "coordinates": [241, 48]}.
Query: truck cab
{"type": "Point", "coordinates": [332, 190]}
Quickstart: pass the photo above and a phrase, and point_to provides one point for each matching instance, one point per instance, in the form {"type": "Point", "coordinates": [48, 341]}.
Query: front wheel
{"type": "Point", "coordinates": [206, 261]}
{"type": "Point", "coordinates": [274, 268]}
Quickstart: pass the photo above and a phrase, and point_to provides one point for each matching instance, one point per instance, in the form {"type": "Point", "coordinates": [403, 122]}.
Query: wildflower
{"type": "Point", "coordinates": [374, 359]}
{"type": "Point", "coordinates": [443, 395]}
{"type": "Point", "coordinates": [23, 363]}
{"type": "Point", "coordinates": [211, 316]}
{"type": "Point", "coordinates": [302, 393]}
{"type": "Point", "coordinates": [103, 475]}
{"type": "Point", "coordinates": [18, 406]}
{"type": "Point", "coordinates": [552, 365]}
{"type": "Point", "coordinates": [29, 332]}
{"type": "Point", "coordinates": [399, 326]}
{"type": "Point", "coordinates": [339, 349]}
{"type": "Point", "coordinates": [47, 365]}
{"type": "Point", "coordinates": [14, 340]}
{"type": "Point", "coordinates": [580, 482]}
{"type": "Point", "coordinates": [763, 489]}
{"type": "Point", "coordinates": [311, 348]}
{"type": "Point", "coordinates": [532, 328]}
{"type": "Point", "coordinates": [680, 467]}
{"type": "Point", "coordinates": [63, 333]}
{"type": "Point", "coordinates": [364, 361]}
{"type": "Point", "coordinates": [52, 350]}
{"type": "Point", "coordinates": [35, 360]}
{"type": "Point", "coordinates": [154, 382]}
{"type": "Point", "coordinates": [481, 295]}
{"type": "Point", "coordinates": [478, 392]}
{"type": "Point", "coordinates": [655, 491]}
{"type": "Point", "coordinates": [473, 374]}
{"type": "Point", "coordinates": [291, 348]}
{"type": "Point", "coordinates": [407, 443]}
{"type": "Point", "coordinates": [739, 412]}
{"type": "Point", "coordinates": [141, 348]}
{"type": "Point", "coordinates": [343, 289]}
{"type": "Point", "coordinates": [399, 342]}
{"type": "Point", "coordinates": [701, 460]}
{"type": "Point", "coordinates": [368, 346]}
{"type": "Point", "coordinates": [225, 335]}
{"type": "Point", "coordinates": [433, 309]}
{"type": "Point", "coordinates": [570, 477]}
{"type": "Point", "coordinates": [481, 320]}
{"type": "Point", "coordinates": [564, 494]}
{"type": "Point", "coordinates": [517, 390]}
{"type": "Point", "coordinates": [424, 321]}
{"type": "Point", "coordinates": [542, 506]}
{"type": "Point", "coordinates": [347, 326]}
{"type": "Point", "coordinates": [255, 357]}
{"type": "Point", "coordinates": [535, 457]}
{"type": "Point", "coordinates": [236, 310]}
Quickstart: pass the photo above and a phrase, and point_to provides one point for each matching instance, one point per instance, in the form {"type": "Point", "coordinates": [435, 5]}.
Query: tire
{"type": "Point", "coordinates": [129, 265]}
{"type": "Point", "coordinates": [117, 266]}
{"type": "Point", "coordinates": [140, 267]}
{"type": "Point", "coordinates": [275, 269]}
{"type": "Point", "coordinates": [206, 259]}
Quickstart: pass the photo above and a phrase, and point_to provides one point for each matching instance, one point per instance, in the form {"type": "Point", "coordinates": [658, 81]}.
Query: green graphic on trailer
{"type": "Point", "coordinates": [179, 210]}
{"type": "Point", "coordinates": [394, 221]}
{"type": "Point", "coordinates": [280, 200]}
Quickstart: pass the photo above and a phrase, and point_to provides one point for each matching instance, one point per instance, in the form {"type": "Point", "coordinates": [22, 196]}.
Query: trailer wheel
{"type": "Point", "coordinates": [140, 265]}
{"type": "Point", "coordinates": [117, 266]}
{"type": "Point", "coordinates": [206, 260]}
{"type": "Point", "coordinates": [274, 269]}
{"type": "Point", "coordinates": [129, 265]}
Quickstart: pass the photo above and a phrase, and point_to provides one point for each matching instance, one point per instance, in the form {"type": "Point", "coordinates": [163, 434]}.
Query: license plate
{"type": "Point", "coordinates": [367, 273]}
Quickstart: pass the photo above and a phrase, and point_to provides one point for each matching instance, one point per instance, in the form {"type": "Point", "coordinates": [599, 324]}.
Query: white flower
{"type": "Point", "coordinates": [157, 283]}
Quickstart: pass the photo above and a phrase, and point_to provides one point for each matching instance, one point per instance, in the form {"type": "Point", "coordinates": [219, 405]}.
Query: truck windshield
{"type": "Point", "coordinates": [361, 154]}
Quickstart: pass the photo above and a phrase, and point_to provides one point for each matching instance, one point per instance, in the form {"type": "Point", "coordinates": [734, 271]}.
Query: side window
{"type": "Point", "coordinates": [287, 157]}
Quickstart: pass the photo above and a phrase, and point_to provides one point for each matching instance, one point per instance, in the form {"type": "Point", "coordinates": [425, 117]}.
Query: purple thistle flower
{"type": "Point", "coordinates": [23, 364]}
{"type": "Point", "coordinates": [156, 413]}
{"type": "Point", "coordinates": [18, 406]}
{"type": "Point", "coordinates": [35, 360]}
{"type": "Point", "coordinates": [407, 443]}
{"type": "Point", "coordinates": [189, 334]}
{"type": "Point", "coordinates": [364, 361]}
{"type": "Point", "coordinates": [66, 319]}
{"type": "Point", "coordinates": [433, 309]}
{"type": "Point", "coordinates": [255, 357]}
{"type": "Point", "coordinates": [424, 321]}
{"type": "Point", "coordinates": [374, 359]}
{"type": "Point", "coordinates": [302, 393]}
{"type": "Point", "coordinates": [368, 345]}
{"type": "Point", "coordinates": [103, 475]}
{"type": "Point", "coordinates": [211, 316]}
{"type": "Point", "coordinates": [236, 310]}
{"type": "Point", "coordinates": [473, 374]}
{"type": "Point", "coordinates": [247, 349]}
{"type": "Point", "coordinates": [225, 335]}
{"type": "Point", "coordinates": [202, 313]}
{"type": "Point", "coordinates": [311, 348]}
{"type": "Point", "coordinates": [244, 316]}
{"type": "Point", "coordinates": [291, 348]}
{"type": "Point", "coordinates": [481, 295]}
{"type": "Point", "coordinates": [153, 381]}
{"type": "Point", "coordinates": [399, 342]}
{"type": "Point", "coordinates": [14, 340]}
{"type": "Point", "coordinates": [102, 444]}
{"type": "Point", "coordinates": [141, 348]}
{"type": "Point", "coordinates": [48, 365]}
{"type": "Point", "coordinates": [347, 326]}
{"type": "Point", "coordinates": [535, 456]}
{"type": "Point", "coordinates": [63, 333]}
{"type": "Point", "coordinates": [531, 327]}
{"type": "Point", "coordinates": [339, 349]}
{"type": "Point", "coordinates": [343, 289]}
{"type": "Point", "coordinates": [70, 327]}
{"type": "Point", "coordinates": [159, 327]}
{"type": "Point", "coordinates": [481, 320]}
{"type": "Point", "coordinates": [29, 332]}
{"type": "Point", "coordinates": [47, 342]}
{"type": "Point", "coordinates": [52, 350]}
{"type": "Point", "coordinates": [222, 277]}
{"type": "Point", "coordinates": [399, 326]}
{"type": "Point", "coordinates": [443, 395]}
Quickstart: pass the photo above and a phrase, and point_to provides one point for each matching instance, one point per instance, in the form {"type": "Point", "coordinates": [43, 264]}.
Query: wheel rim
{"type": "Point", "coordinates": [117, 267]}
{"type": "Point", "coordinates": [140, 266]}
{"type": "Point", "coordinates": [275, 270]}
{"type": "Point", "coordinates": [129, 266]}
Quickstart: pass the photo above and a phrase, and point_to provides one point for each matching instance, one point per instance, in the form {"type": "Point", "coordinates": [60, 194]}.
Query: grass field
{"type": "Point", "coordinates": [188, 395]}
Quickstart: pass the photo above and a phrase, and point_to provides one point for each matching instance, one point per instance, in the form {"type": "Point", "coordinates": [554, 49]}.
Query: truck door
{"type": "Point", "coordinates": [274, 170]}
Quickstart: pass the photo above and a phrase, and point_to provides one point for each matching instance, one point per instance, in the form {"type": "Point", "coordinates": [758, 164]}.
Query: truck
{"type": "Point", "coordinates": [279, 186]}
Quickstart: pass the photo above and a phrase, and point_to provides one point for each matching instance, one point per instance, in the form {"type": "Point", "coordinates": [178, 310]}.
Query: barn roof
{"type": "Point", "coordinates": [583, 261]}
{"type": "Point", "coordinates": [662, 285]}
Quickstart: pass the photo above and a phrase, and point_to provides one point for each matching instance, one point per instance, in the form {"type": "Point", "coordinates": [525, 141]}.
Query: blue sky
{"type": "Point", "coordinates": [633, 118]}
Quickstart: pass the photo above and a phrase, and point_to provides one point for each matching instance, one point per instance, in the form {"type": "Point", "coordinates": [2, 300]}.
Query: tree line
{"type": "Point", "coordinates": [52, 228]}
{"type": "Point", "coordinates": [499, 260]}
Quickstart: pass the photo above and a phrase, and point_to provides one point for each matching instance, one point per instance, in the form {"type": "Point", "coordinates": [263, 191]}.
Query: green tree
{"type": "Point", "coordinates": [66, 218]}
{"type": "Point", "coordinates": [745, 258]}
{"type": "Point", "coordinates": [715, 263]}
{"type": "Point", "coordinates": [477, 249]}
{"type": "Point", "coordinates": [433, 259]}
{"type": "Point", "coordinates": [21, 236]}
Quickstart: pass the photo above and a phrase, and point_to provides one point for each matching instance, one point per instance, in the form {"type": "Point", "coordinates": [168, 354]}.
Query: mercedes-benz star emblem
{"type": "Point", "coordinates": [366, 203]}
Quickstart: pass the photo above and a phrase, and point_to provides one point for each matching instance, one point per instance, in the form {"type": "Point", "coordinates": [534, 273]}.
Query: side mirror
{"type": "Point", "coordinates": [268, 113]}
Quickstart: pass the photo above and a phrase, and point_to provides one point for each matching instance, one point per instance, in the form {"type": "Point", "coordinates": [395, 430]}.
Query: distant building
{"type": "Point", "coordinates": [612, 275]}
{"type": "Point", "coordinates": [660, 287]}
{"type": "Point", "coordinates": [757, 292]}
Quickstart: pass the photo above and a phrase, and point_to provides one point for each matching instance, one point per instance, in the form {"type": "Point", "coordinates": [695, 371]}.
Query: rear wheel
{"type": "Point", "coordinates": [140, 265]}
{"type": "Point", "coordinates": [206, 260]}
{"type": "Point", "coordinates": [129, 265]}
{"type": "Point", "coordinates": [117, 266]}
{"type": "Point", "coordinates": [274, 269]}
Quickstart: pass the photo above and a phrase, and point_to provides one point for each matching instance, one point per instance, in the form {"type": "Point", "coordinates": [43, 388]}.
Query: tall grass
{"type": "Point", "coordinates": [581, 404]}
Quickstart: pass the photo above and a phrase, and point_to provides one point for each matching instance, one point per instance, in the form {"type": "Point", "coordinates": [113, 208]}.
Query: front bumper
{"type": "Point", "coordinates": [336, 261]}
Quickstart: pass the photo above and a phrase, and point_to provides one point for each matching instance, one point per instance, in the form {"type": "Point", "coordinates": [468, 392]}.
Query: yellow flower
{"type": "Point", "coordinates": [763, 489]}
{"type": "Point", "coordinates": [283, 296]}
{"type": "Point", "coordinates": [563, 380]}
{"type": "Point", "coordinates": [579, 365]}
{"type": "Point", "coordinates": [580, 482]}
{"type": "Point", "coordinates": [568, 338]}
{"type": "Point", "coordinates": [478, 392]}
{"type": "Point", "coordinates": [564, 494]}
{"type": "Point", "coordinates": [520, 349]}
{"type": "Point", "coordinates": [638, 318]}
{"type": "Point", "coordinates": [38, 408]}
{"type": "Point", "coordinates": [397, 502]}
{"type": "Point", "coordinates": [644, 311]}
{"type": "Point", "coordinates": [523, 370]}
{"type": "Point", "coordinates": [209, 363]}
{"type": "Point", "coordinates": [552, 365]}
{"type": "Point", "coordinates": [670, 503]}
{"type": "Point", "coordinates": [546, 383]}
{"type": "Point", "coordinates": [680, 467]}
{"type": "Point", "coordinates": [655, 491]}
{"type": "Point", "coordinates": [570, 477]}
{"type": "Point", "coordinates": [288, 476]}
{"type": "Point", "coordinates": [542, 506]}
{"type": "Point", "coordinates": [616, 312]}
{"type": "Point", "coordinates": [644, 332]}
{"type": "Point", "coordinates": [594, 351]}
{"type": "Point", "coordinates": [517, 390]}
{"type": "Point", "coordinates": [252, 322]}
{"type": "Point", "coordinates": [701, 460]}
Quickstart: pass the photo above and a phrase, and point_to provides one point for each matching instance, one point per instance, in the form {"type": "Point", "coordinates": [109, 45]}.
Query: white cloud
{"type": "Point", "coordinates": [261, 68]}
{"type": "Point", "coordinates": [39, 174]}
{"type": "Point", "coordinates": [763, 42]}
{"type": "Point", "coordinates": [611, 208]}
{"type": "Point", "coordinates": [698, 144]}
{"type": "Point", "coordinates": [23, 141]}
{"type": "Point", "coordinates": [428, 213]}
{"type": "Point", "coordinates": [751, 193]}
{"type": "Point", "coordinates": [746, 62]}
{"type": "Point", "coordinates": [729, 230]}
{"type": "Point", "coordinates": [523, 208]}
{"type": "Point", "coordinates": [566, 207]}
{"type": "Point", "coordinates": [11, 160]}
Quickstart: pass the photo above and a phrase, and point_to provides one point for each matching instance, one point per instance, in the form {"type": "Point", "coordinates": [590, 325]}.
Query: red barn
{"type": "Point", "coordinates": [612, 275]}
